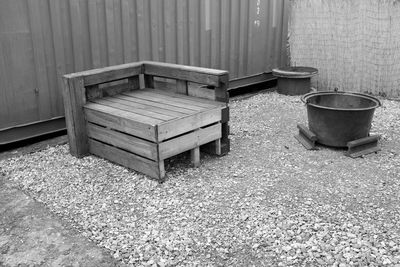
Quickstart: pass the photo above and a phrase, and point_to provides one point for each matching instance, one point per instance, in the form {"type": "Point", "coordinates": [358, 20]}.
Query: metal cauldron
{"type": "Point", "coordinates": [339, 117]}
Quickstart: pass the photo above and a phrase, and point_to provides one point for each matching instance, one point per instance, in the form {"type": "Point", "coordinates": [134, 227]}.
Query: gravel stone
{"type": "Point", "coordinates": [268, 202]}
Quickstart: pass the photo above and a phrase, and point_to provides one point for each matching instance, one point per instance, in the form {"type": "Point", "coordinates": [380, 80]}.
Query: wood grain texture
{"type": "Point", "coordinates": [182, 125]}
{"type": "Point", "coordinates": [188, 141]}
{"type": "Point", "coordinates": [121, 121]}
{"type": "Point", "coordinates": [130, 143]}
{"type": "Point", "coordinates": [74, 100]}
{"type": "Point", "coordinates": [126, 159]}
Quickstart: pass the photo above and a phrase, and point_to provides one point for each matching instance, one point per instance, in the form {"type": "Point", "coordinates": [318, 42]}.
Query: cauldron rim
{"type": "Point", "coordinates": [305, 98]}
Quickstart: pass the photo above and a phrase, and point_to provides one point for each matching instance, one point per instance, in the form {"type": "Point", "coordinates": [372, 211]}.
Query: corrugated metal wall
{"type": "Point", "coordinates": [42, 39]}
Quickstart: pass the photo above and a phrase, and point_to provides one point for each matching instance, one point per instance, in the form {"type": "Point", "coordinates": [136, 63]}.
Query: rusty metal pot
{"type": "Point", "coordinates": [339, 117]}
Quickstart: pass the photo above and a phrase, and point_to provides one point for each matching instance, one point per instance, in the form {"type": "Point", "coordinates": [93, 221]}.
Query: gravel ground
{"type": "Point", "coordinates": [268, 202]}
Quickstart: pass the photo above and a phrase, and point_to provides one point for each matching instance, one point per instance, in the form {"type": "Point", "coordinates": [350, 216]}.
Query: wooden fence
{"type": "Point", "coordinates": [40, 40]}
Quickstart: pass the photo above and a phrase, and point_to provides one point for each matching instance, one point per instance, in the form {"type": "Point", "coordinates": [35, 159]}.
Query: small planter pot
{"type": "Point", "coordinates": [294, 80]}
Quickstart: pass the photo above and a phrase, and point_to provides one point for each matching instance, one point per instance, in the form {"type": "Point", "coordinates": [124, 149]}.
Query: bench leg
{"type": "Point", "coordinates": [161, 169]}
{"type": "Point", "coordinates": [195, 156]}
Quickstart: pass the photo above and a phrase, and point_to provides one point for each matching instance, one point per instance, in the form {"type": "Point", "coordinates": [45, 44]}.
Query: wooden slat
{"type": "Point", "coordinates": [188, 141]}
{"type": "Point", "coordinates": [188, 73]}
{"type": "Point", "coordinates": [127, 142]}
{"type": "Point", "coordinates": [119, 104]}
{"type": "Point", "coordinates": [127, 102]}
{"type": "Point", "coordinates": [141, 94]}
{"type": "Point", "coordinates": [176, 98]}
{"type": "Point", "coordinates": [120, 120]}
{"type": "Point", "coordinates": [182, 87]}
{"type": "Point", "coordinates": [108, 74]}
{"type": "Point", "coordinates": [201, 102]}
{"type": "Point", "coordinates": [125, 159]}
{"type": "Point", "coordinates": [156, 104]}
{"type": "Point", "coordinates": [179, 126]}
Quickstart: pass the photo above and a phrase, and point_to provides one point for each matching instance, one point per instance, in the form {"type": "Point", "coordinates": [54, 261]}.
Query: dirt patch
{"type": "Point", "coordinates": [31, 236]}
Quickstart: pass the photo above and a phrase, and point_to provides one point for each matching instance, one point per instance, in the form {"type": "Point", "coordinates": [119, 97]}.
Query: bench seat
{"type": "Point", "coordinates": [140, 129]}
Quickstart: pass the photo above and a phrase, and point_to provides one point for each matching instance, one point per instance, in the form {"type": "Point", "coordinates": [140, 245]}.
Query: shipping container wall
{"type": "Point", "coordinates": [355, 44]}
{"type": "Point", "coordinates": [40, 40]}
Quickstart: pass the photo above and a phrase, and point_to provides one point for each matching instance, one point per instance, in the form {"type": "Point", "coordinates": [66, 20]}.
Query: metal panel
{"type": "Point", "coordinates": [51, 38]}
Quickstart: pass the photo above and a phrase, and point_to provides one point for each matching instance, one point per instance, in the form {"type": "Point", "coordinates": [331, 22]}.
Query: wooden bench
{"type": "Point", "coordinates": [140, 114]}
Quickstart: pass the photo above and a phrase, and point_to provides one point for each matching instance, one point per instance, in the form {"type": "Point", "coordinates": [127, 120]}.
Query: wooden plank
{"type": "Point", "coordinates": [93, 92]}
{"type": "Point", "coordinates": [188, 141]}
{"type": "Point", "coordinates": [221, 92]}
{"type": "Point", "coordinates": [119, 103]}
{"type": "Point", "coordinates": [121, 113]}
{"type": "Point", "coordinates": [156, 104]}
{"type": "Point", "coordinates": [74, 99]}
{"type": "Point", "coordinates": [179, 126]}
{"type": "Point", "coordinates": [201, 102]}
{"type": "Point", "coordinates": [108, 74]}
{"type": "Point", "coordinates": [127, 142]}
{"type": "Point", "coordinates": [182, 87]}
{"type": "Point", "coordinates": [181, 72]}
{"type": "Point", "coordinates": [132, 104]}
{"type": "Point", "coordinates": [113, 119]}
{"type": "Point", "coordinates": [125, 159]}
{"type": "Point", "coordinates": [163, 99]}
{"type": "Point", "coordinates": [148, 81]}
{"type": "Point", "coordinates": [115, 89]}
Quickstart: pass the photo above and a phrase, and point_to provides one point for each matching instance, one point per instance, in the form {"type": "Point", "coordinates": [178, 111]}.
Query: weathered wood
{"type": "Point", "coordinates": [146, 106]}
{"type": "Point", "coordinates": [148, 81]}
{"type": "Point", "coordinates": [130, 143]}
{"type": "Point", "coordinates": [142, 94]}
{"type": "Point", "coordinates": [187, 73]}
{"type": "Point", "coordinates": [122, 113]}
{"type": "Point", "coordinates": [195, 156]}
{"type": "Point", "coordinates": [182, 87]}
{"type": "Point", "coordinates": [119, 104]}
{"type": "Point", "coordinates": [189, 99]}
{"type": "Point", "coordinates": [188, 141]}
{"type": "Point", "coordinates": [108, 74]}
{"type": "Point", "coordinates": [139, 129]}
{"type": "Point", "coordinates": [74, 99]}
{"type": "Point", "coordinates": [182, 125]}
{"type": "Point", "coordinates": [221, 91]}
{"type": "Point", "coordinates": [132, 98]}
{"type": "Point", "coordinates": [134, 82]}
{"type": "Point", "coordinates": [116, 120]}
{"type": "Point", "coordinates": [93, 92]}
{"type": "Point", "coordinates": [126, 159]}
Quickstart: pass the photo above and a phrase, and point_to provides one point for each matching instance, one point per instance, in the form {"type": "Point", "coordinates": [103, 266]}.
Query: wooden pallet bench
{"type": "Point", "coordinates": [131, 115]}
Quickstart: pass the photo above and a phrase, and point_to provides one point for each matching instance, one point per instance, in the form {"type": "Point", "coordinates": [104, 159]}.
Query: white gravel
{"type": "Point", "coordinates": [268, 202]}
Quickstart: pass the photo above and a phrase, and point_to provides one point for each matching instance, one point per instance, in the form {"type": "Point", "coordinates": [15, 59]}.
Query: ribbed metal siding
{"type": "Point", "coordinates": [42, 39]}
